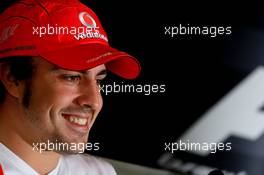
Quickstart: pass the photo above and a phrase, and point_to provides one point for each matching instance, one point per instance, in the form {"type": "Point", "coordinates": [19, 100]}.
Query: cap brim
{"type": "Point", "coordinates": [83, 57]}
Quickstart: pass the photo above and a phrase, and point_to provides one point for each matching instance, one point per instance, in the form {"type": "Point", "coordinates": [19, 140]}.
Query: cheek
{"type": "Point", "coordinates": [50, 99]}
{"type": "Point", "coordinates": [101, 102]}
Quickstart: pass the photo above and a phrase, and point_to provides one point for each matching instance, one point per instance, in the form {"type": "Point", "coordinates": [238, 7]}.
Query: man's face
{"type": "Point", "coordinates": [62, 104]}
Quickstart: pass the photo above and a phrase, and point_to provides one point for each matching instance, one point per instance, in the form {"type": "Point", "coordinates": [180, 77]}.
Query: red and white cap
{"type": "Point", "coordinates": [63, 32]}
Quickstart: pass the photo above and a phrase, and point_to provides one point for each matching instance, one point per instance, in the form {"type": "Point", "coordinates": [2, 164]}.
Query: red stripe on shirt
{"type": "Point", "coordinates": [1, 170]}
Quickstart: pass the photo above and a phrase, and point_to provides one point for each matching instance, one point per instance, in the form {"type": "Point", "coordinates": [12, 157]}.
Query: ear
{"type": "Point", "coordinates": [12, 86]}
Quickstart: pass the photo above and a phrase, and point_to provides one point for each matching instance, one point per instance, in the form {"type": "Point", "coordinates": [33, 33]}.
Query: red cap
{"type": "Point", "coordinates": [65, 33]}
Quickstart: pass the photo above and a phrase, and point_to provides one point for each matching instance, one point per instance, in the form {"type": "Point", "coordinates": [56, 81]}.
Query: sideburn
{"type": "Point", "coordinates": [27, 93]}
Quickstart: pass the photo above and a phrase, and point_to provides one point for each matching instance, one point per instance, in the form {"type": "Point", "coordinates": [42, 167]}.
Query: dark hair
{"type": "Point", "coordinates": [21, 68]}
{"type": "Point", "coordinates": [4, 4]}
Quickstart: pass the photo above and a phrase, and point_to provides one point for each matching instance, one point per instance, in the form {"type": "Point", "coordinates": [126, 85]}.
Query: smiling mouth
{"type": "Point", "coordinates": [76, 120]}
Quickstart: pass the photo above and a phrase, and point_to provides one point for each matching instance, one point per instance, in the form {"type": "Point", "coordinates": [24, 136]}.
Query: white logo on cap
{"type": "Point", "coordinates": [8, 32]}
{"type": "Point", "coordinates": [91, 23]}
{"type": "Point", "coordinates": [92, 31]}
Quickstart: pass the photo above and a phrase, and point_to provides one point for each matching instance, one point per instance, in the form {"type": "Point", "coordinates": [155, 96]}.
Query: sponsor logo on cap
{"type": "Point", "coordinates": [92, 30]}
{"type": "Point", "coordinates": [8, 32]}
{"type": "Point", "coordinates": [99, 57]}
{"type": "Point", "coordinates": [87, 20]}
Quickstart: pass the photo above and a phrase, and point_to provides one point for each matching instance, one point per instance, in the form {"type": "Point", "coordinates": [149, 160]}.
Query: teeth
{"type": "Point", "coordinates": [79, 121]}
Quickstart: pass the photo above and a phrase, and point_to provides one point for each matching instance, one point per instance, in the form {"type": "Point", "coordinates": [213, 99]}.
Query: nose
{"type": "Point", "coordinates": [90, 96]}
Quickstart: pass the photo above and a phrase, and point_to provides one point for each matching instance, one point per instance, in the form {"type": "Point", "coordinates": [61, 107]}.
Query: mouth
{"type": "Point", "coordinates": [78, 123]}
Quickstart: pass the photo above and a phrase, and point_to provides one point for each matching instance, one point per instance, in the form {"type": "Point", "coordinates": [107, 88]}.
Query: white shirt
{"type": "Point", "coordinates": [75, 164]}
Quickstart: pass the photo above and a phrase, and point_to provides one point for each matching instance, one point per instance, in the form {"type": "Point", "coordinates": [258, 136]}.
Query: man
{"type": "Point", "coordinates": [53, 56]}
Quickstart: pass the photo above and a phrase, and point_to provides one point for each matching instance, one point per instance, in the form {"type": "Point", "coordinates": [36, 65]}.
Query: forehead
{"type": "Point", "coordinates": [41, 63]}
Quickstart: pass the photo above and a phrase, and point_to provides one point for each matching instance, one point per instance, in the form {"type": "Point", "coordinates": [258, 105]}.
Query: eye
{"type": "Point", "coordinates": [72, 78]}
{"type": "Point", "coordinates": [99, 81]}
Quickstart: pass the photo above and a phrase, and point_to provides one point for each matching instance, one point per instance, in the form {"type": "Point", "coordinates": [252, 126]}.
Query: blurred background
{"type": "Point", "coordinates": [197, 70]}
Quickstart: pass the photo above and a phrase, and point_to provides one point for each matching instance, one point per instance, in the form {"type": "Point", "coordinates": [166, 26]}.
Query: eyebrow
{"type": "Point", "coordinates": [102, 72]}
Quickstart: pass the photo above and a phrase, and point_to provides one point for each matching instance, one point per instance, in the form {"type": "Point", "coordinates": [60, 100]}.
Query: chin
{"type": "Point", "coordinates": [70, 151]}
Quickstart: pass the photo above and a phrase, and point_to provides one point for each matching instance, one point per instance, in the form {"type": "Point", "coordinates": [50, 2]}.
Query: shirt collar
{"type": "Point", "coordinates": [15, 163]}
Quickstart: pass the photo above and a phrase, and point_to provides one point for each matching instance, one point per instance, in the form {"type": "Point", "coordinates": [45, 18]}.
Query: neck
{"type": "Point", "coordinates": [13, 140]}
